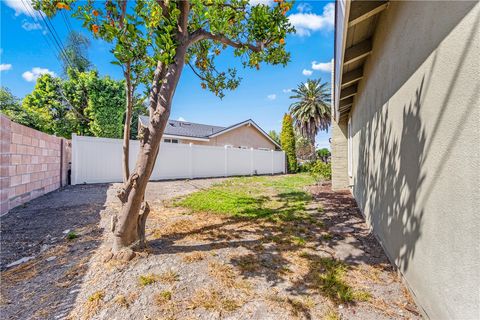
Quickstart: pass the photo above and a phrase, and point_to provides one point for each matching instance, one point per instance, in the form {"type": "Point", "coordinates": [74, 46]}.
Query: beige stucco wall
{"type": "Point", "coordinates": [416, 150]}
{"type": "Point", "coordinates": [246, 135]}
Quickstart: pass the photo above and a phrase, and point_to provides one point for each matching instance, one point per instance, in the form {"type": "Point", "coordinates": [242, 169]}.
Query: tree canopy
{"type": "Point", "coordinates": [287, 138]}
{"type": "Point", "coordinates": [145, 34]}
{"type": "Point", "coordinates": [311, 110]}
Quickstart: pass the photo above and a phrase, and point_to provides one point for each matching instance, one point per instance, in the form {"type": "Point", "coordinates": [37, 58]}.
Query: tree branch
{"type": "Point", "coordinates": [196, 73]}
{"type": "Point", "coordinates": [123, 8]}
{"type": "Point", "coordinates": [183, 19]}
{"type": "Point", "coordinates": [164, 6]}
{"type": "Point", "coordinates": [201, 34]}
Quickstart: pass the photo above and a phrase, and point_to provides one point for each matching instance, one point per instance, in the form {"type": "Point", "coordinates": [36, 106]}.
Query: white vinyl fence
{"type": "Point", "coordinates": [99, 160]}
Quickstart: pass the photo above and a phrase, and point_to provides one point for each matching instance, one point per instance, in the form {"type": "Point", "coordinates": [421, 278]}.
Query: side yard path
{"type": "Point", "coordinates": [243, 248]}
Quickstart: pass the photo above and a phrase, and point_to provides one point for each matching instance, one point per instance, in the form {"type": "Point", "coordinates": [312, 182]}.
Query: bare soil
{"type": "Point", "coordinates": [197, 265]}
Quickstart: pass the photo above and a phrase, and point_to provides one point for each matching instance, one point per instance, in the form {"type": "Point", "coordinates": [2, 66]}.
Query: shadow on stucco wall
{"type": "Point", "coordinates": [391, 184]}
{"type": "Point", "coordinates": [392, 198]}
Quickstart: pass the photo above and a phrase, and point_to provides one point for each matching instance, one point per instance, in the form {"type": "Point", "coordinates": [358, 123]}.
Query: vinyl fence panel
{"type": "Point", "coordinates": [99, 160]}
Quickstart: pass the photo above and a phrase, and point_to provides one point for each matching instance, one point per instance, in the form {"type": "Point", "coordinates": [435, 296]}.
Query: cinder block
{"type": "Point", "coordinates": [12, 170]}
{"type": "Point", "coordinates": [21, 189]}
{"type": "Point", "coordinates": [26, 159]}
{"type": "Point", "coordinates": [25, 178]}
{"type": "Point", "coordinates": [17, 138]}
{"type": "Point", "coordinates": [15, 180]}
{"type": "Point", "coordinates": [21, 149]}
{"type": "Point", "coordinates": [26, 140]}
{"type": "Point", "coordinates": [22, 169]}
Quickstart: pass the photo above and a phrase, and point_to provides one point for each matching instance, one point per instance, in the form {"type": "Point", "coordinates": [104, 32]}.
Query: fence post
{"type": "Point", "coordinates": [190, 155]}
{"type": "Point", "coordinates": [252, 166]}
{"type": "Point", "coordinates": [74, 159]}
{"type": "Point", "coordinates": [272, 152]}
{"type": "Point", "coordinates": [284, 161]}
{"type": "Point", "coordinates": [226, 161]}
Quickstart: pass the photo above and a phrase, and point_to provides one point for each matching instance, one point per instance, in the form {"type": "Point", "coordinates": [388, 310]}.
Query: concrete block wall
{"type": "Point", "coordinates": [32, 163]}
{"type": "Point", "coordinates": [339, 156]}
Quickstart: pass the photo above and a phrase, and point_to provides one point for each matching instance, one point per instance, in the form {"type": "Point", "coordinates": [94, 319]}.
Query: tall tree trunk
{"type": "Point", "coordinates": [127, 125]}
{"type": "Point", "coordinates": [129, 226]}
{"type": "Point", "coordinates": [311, 139]}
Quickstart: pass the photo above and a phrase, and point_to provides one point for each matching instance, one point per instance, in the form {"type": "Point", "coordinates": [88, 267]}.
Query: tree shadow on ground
{"type": "Point", "coordinates": [279, 241]}
{"type": "Point", "coordinates": [46, 286]}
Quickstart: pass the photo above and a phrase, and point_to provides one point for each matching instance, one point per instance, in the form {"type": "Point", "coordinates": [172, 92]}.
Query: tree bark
{"type": "Point", "coordinates": [127, 125]}
{"type": "Point", "coordinates": [312, 146]}
{"type": "Point", "coordinates": [129, 226]}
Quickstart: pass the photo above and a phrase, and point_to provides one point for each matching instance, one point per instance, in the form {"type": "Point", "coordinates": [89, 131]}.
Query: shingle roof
{"type": "Point", "coordinates": [198, 130]}
{"type": "Point", "coordinates": [187, 129]}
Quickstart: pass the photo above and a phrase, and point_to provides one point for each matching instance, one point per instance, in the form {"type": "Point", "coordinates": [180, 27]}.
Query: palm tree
{"type": "Point", "coordinates": [311, 112]}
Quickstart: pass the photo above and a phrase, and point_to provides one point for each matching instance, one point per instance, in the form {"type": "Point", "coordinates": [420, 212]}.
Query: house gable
{"type": "Point", "coordinates": [244, 136]}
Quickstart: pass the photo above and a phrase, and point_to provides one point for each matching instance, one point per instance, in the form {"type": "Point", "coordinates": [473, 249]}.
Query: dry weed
{"type": "Point", "coordinates": [93, 304]}
{"type": "Point", "coordinates": [213, 299]}
{"type": "Point", "coordinates": [169, 277]}
{"type": "Point", "coordinates": [194, 257]}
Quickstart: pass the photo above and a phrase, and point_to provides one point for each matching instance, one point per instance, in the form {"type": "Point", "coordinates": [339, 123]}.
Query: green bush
{"type": "Point", "coordinates": [305, 166]}
{"type": "Point", "coordinates": [287, 139]}
{"type": "Point", "coordinates": [321, 170]}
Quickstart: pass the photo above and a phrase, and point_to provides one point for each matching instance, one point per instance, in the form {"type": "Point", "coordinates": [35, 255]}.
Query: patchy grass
{"type": "Point", "coordinates": [278, 198]}
{"type": "Point", "coordinates": [194, 257]}
{"type": "Point", "coordinates": [72, 235]}
{"type": "Point", "coordinates": [226, 275]}
{"type": "Point", "coordinates": [121, 300]}
{"type": "Point", "coordinates": [299, 241]}
{"type": "Point", "coordinates": [331, 314]}
{"type": "Point", "coordinates": [163, 297]}
{"type": "Point", "coordinates": [329, 278]}
{"type": "Point", "coordinates": [146, 280]}
{"type": "Point", "coordinates": [93, 304]}
{"type": "Point", "coordinates": [299, 307]}
{"type": "Point", "coordinates": [169, 277]}
{"type": "Point", "coordinates": [213, 299]}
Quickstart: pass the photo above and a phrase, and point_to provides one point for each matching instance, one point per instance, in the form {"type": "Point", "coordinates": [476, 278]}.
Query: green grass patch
{"type": "Point", "coordinates": [145, 280]}
{"type": "Point", "coordinates": [277, 198]}
{"type": "Point", "coordinates": [330, 280]}
{"type": "Point", "coordinates": [72, 235]}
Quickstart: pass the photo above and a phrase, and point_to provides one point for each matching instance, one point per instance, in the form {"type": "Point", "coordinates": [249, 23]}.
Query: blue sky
{"type": "Point", "coordinates": [262, 95]}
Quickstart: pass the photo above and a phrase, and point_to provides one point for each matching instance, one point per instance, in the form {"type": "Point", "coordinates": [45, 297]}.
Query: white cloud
{"type": "Point", "coordinates": [35, 73]}
{"type": "Point", "coordinates": [287, 90]}
{"type": "Point", "coordinates": [322, 66]}
{"type": "Point", "coordinates": [304, 7]}
{"type": "Point", "coordinates": [29, 26]}
{"type": "Point", "coordinates": [306, 72]}
{"type": "Point", "coordinates": [305, 23]}
{"type": "Point", "coordinates": [272, 96]}
{"type": "Point", "coordinates": [181, 119]}
{"type": "Point", "coordinates": [255, 2]}
{"type": "Point", "coordinates": [19, 7]}
{"type": "Point", "coordinates": [5, 66]}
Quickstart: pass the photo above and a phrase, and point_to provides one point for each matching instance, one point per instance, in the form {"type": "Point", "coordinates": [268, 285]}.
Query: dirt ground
{"type": "Point", "coordinates": [197, 265]}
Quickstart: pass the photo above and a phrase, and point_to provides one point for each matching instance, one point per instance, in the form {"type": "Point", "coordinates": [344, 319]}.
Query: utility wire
{"type": "Point", "coordinates": [59, 43]}
{"type": "Point", "coordinates": [32, 11]}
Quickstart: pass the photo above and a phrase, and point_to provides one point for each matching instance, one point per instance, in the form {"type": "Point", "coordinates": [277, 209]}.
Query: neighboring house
{"type": "Point", "coordinates": [406, 140]}
{"type": "Point", "coordinates": [244, 135]}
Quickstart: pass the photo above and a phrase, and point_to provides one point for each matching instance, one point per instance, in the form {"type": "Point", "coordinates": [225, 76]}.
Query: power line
{"type": "Point", "coordinates": [67, 21]}
{"type": "Point", "coordinates": [56, 37]}
{"type": "Point", "coordinates": [56, 43]}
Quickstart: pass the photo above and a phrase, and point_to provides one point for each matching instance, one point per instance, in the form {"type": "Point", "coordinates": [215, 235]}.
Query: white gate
{"type": "Point", "coordinates": [99, 160]}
